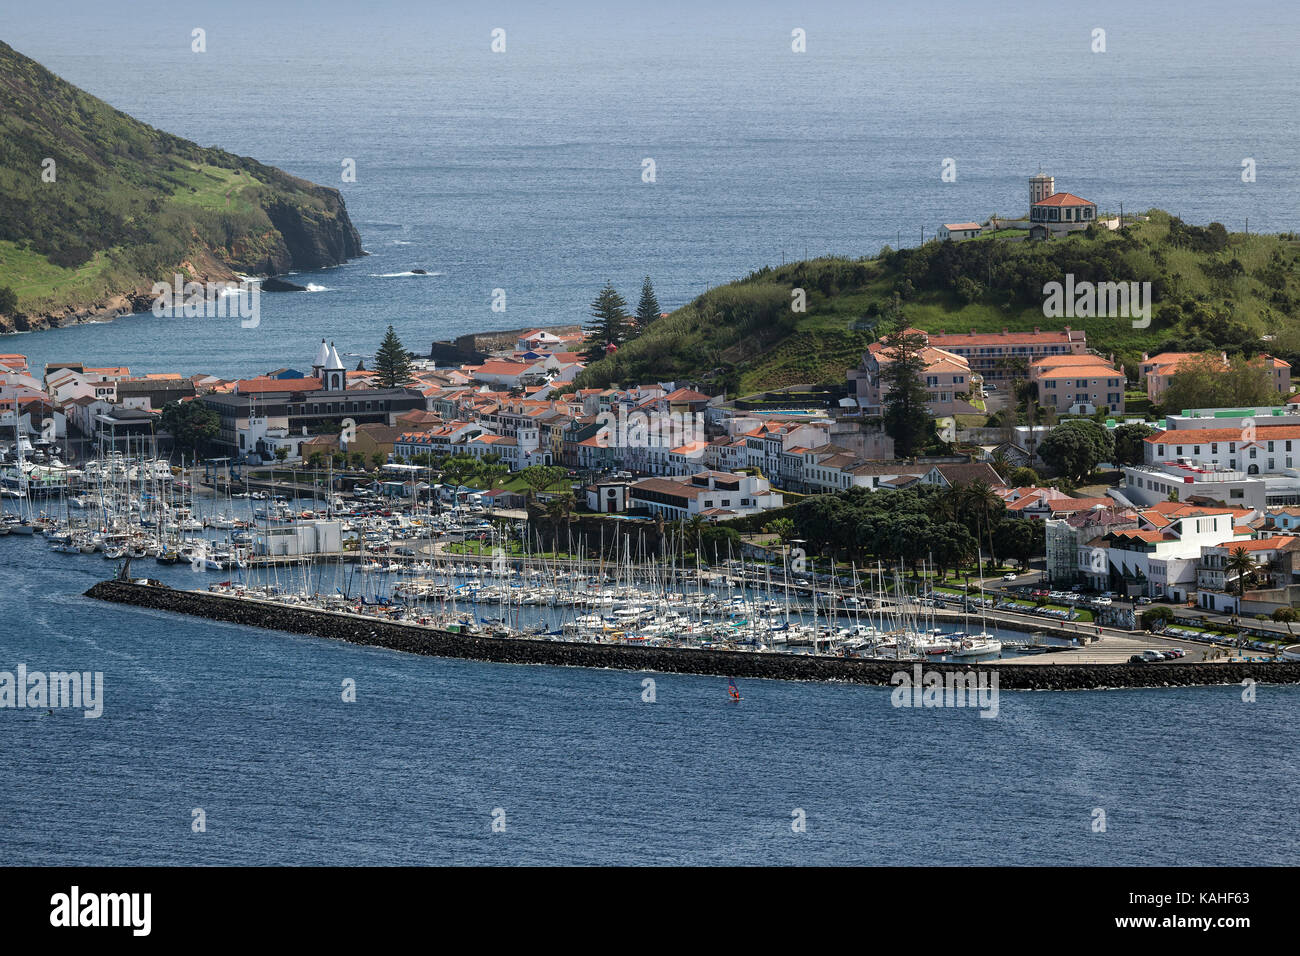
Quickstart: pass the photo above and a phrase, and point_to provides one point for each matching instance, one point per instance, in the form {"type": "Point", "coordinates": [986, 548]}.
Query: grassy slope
{"type": "Point", "coordinates": [777, 348]}
{"type": "Point", "coordinates": [129, 205]}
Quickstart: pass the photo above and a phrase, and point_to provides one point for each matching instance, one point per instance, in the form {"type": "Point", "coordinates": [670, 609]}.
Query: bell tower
{"type": "Point", "coordinates": [336, 376]}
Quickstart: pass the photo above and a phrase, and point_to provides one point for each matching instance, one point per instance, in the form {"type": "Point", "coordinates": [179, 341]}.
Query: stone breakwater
{"type": "Point", "coordinates": [372, 632]}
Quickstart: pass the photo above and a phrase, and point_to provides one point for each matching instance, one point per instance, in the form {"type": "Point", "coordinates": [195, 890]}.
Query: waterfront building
{"type": "Point", "coordinates": [304, 406]}
{"type": "Point", "coordinates": [710, 494]}
{"type": "Point", "coordinates": [301, 537]}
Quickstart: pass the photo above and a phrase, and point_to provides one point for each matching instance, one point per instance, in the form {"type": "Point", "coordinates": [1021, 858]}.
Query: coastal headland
{"type": "Point", "coordinates": [372, 632]}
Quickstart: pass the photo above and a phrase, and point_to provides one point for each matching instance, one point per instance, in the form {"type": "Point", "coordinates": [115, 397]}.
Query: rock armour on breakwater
{"type": "Point", "coordinates": [356, 629]}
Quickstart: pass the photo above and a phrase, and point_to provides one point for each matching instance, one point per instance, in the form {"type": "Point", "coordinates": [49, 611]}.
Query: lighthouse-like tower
{"type": "Point", "coordinates": [1040, 187]}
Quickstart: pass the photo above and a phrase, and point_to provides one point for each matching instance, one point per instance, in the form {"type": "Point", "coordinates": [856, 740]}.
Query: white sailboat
{"type": "Point", "coordinates": [982, 644]}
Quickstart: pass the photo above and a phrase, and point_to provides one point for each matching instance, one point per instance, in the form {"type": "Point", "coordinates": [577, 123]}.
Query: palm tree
{"type": "Point", "coordinates": [1240, 561]}
{"type": "Point", "coordinates": [1001, 464]}
{"type": "Point", "coordinates": [983, 500]}
{"type": "Point", "coordinates": [558, 510]}
{"type": "Point", "coordinates": [948, 504]}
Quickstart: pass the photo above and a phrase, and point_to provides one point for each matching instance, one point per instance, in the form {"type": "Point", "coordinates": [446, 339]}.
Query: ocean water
{"type": "Point", "coordinates": [250, 727]}
{"type": "Point", "coordinates": [522, 170]}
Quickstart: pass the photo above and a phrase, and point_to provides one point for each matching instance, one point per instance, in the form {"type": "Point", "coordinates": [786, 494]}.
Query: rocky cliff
{"type": "Point", "coordinates": [96, 207]}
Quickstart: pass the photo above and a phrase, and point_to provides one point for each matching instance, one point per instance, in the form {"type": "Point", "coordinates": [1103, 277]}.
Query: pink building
{"type": "Point", "coordinates": [991, 354]}
{"type": "Point", "coordinates": [1078, 384]}
{"type": "Point", "coordinates": [1159, 369]}
{"type": "Point", "coordinates": [947, 376]}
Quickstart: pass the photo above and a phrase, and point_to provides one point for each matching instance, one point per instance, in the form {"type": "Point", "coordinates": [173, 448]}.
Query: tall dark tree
{"type": "Point", "coordinates": [905, 412]}
{"type": "Point", "coordinates": [392, 361]}
{"type": "Point", "coordinates": [647, 310]}
{"type": "Point", "coordinates": [609, 309]}
{"type": "Point", "coordinates": [191, 424]}
{"type": "Point", "coordinates": [1130, 447]}
{"type": "Point", "coordinates": [9, 300]}
{"type": "Point", "coordinates": [1076, 447]}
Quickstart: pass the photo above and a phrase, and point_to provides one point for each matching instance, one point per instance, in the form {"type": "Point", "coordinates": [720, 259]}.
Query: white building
{"type": "Point", "coordinates": [1157, 562]}
{"type": "Point", "coordinates": [306, 537]}
{"type": "Point", "coordinates": [959, 230]}
{"type": "Point", "coordinates": [712, 494]}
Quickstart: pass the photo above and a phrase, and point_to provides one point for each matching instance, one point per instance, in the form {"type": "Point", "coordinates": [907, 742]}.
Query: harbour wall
{"type": "Point", "coordinates": [372, 632]}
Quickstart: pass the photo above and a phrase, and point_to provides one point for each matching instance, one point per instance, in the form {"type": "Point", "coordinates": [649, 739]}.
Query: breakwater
{"type": "Point", "coordinates": [413, 639]}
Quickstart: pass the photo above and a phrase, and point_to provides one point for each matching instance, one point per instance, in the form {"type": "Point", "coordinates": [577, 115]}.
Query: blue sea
{"type": "Point", "coordinates": [522, 171]}
{"type": "Point", "coordinates": [251, 728]}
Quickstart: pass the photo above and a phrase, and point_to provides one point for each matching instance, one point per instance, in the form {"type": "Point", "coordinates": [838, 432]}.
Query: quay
{"type": "Point", "coordinates": [372, 631]}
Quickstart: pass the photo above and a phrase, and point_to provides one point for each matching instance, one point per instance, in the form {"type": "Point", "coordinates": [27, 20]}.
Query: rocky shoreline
{"type": "Point", "coordinates": [371, 632]}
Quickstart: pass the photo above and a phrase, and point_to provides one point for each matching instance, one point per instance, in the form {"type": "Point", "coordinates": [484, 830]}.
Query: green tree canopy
{"type": "Point", "coordinates": [191, 424]}
{"type": "Point", "coordinates": [1130, 449]}
{"type": "Point", "coordinates": [1075, 447]}
{"type": "Point", "coordinates": [1204, 381]}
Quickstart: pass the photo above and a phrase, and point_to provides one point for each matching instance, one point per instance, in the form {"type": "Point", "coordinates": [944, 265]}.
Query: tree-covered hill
{"type": "Point", "coordinates": [1211, 289]}
{"type": "Point", "coordinates": [123, 205]}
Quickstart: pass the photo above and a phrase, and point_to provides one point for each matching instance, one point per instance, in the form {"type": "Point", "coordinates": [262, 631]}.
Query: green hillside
{"type": "Point", "coordinates": [130, 205]}
{"type": "Point", "coordinates": [1210, 289]}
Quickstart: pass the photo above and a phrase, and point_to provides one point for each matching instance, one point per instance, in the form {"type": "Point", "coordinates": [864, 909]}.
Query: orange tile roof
{"type": "Point", "coordinates": [1064, 199]}
{"type": "Point", "coordinates": [1202, 436]}
{"type": "Point", "coordinates": [945, 340]}
{"type": "Point", "coordinates": [1260, 544]}
{"type": "Point", "coordinates": [251, 385]}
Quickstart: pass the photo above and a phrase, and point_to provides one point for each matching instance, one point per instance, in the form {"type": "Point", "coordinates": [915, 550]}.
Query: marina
{"type": "Point", "coordinates": [461, 568]}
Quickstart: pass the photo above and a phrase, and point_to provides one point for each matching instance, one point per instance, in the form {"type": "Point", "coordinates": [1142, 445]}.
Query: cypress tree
{"type": "Point", "coordinates": [609, 309]}
{"type": "Point", "coordinates": [647, 309]}
{"type": "Point", "coordinates": [392, 361]}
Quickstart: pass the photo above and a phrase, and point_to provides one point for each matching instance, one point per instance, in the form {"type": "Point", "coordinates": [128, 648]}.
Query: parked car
{"type": "Point", "coordinates": [1175, 652]}
{"type": "Point", "coordinates": [1137, 659]}
{"type": "Point", "coordinates": [1153, 655]}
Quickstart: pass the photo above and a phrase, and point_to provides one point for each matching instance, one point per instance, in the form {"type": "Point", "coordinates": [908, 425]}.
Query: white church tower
{"type": "Point", "coordinates": [322, 358]}
{"type": "Point", "coordinates": [336, 376]}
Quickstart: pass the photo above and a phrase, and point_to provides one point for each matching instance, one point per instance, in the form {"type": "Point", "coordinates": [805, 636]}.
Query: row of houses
{"type": "Point", "coordinates": [1180, 551]}
{"type": "Point", "coordinates": [960, 369]}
